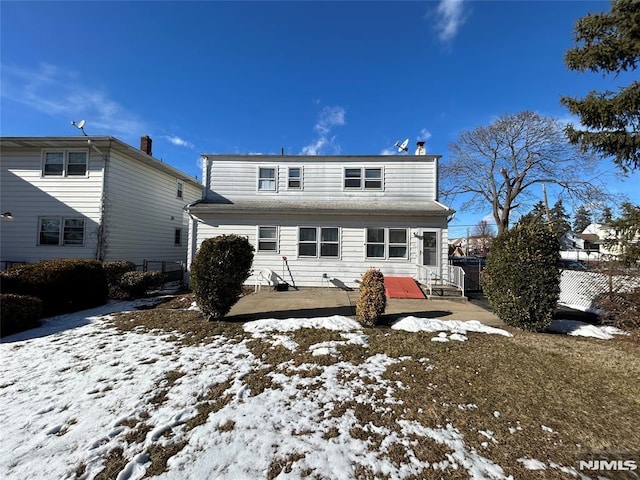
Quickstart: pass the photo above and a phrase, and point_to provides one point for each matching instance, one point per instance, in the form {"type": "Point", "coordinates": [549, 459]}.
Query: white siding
{"type": "Point", "coordinates": [143, 211]}
{"type": "Point", "coordinates": [28, 196]}
{"type": "Point", "coordinates": [405, 178]}
{"type": "Point", "coordinates": [352, 262]}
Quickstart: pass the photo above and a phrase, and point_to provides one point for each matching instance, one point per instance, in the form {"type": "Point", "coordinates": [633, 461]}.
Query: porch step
{"type": "Point", "coordinates": [444, 291]}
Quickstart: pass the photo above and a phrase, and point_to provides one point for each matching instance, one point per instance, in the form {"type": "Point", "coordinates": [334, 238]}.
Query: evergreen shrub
{"type": "Point", "coordinates": [66, 285]}
{"type": "Point", "coordinates": [114, 270]}
{"type": "Point", "coordinates": [218, 271]}
{"type": "Point", "coordinates": [18, 313]}
{"type": "Point", "coordinates": [131, 284]}
{"type": "Point", "coordinates": [522, 279]}
{"type": "Point", "coordinates": [372, 300]}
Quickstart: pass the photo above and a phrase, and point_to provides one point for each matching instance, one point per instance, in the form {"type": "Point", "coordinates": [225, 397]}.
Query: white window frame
{"type": "Point", "coordinates": [66, 153]}
{"type": "Point", "coordinates": [298, 179]}
{"type": "Point", "coordinates": [260, 179]}
{"type": "Point", "coordinates": [362, 178]}
{"type": "Point", "coordinates": [319, 242]}
{"type": "Point", "coordinates": [275, 241]}
{"type": "Point", "coordinates": [179, 189]}
{"type": "Point", "coordinates": [62, 230]}
{"type": "Point", "coordinates": [386, 243]}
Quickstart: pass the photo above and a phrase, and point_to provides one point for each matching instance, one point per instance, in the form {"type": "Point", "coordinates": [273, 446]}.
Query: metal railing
{"type": "Point", "coordinates": [451, 275]}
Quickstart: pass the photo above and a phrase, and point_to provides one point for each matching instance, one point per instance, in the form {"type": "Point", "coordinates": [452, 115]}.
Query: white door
{"type": "Point", "coordinates": [430, 249]}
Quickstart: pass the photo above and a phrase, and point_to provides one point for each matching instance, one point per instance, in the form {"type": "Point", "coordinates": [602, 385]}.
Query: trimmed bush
{"type": "Point", "coordinates": [18, 313]}
{"type": "Point", "coordinates": [521, 278]}
{"type": "Point", "coordinates": [218, 271]}
{"type": "Point", "coordinates": [373, 299]}
{"type": "Point", "coordinates": [132, 285]}
{"type": "Point", "coordinates": [62, 285]}
{"type": "Point", "coordinates": [114, 270]}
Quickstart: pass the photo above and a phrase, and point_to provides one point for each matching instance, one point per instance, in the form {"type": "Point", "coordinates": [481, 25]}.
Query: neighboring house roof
{"type": "Point", "coordinates": [322, 207]}
{"type": "Point", "coordinates": [589, 237]}
{"type": "Point", "coordinates": [100, 143]}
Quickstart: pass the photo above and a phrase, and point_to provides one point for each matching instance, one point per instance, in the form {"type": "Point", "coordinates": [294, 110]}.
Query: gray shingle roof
{"type": "Point", "coordinates": [342, 207]}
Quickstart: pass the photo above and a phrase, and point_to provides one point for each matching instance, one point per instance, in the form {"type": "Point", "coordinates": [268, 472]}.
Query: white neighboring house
{"type": "Point", "coordinates": [320, 219]}
{"type": "Point", "coordinates": [73, 198]}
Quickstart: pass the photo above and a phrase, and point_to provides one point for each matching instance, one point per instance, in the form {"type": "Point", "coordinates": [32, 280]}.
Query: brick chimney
{"type": "Point", "coordinates": [145, 144]}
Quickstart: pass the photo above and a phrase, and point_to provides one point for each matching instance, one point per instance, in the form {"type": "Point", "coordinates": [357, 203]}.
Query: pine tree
{"type": "Point", "coordinates": [581, 219]}
{"type": "Point", "coordinates": [606, 216]}
{"type": "Point", "coordinates": [608, 43]}
{"type": "Point", "coordinates": [559, 219]}
{"type": "Point", "coordinates": [627, 234]}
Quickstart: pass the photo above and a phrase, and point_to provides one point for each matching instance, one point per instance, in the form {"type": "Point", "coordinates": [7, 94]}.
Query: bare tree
{"type": "Point", "coordinates": [498, 164]}
{"type": "Point", "coordinates": [483, 233]}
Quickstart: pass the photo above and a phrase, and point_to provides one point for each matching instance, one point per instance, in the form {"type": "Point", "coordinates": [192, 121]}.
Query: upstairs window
{"type": "Point", "coordinates": [267, 179]}
{"type": "Point", "coordinates": [294, 178]}
{"type": "Point", "coordinates": [363, 178]}
{"type": "Point", "coordinates": [179, 189]}
{"type": "Point", "coordinates": [352, 177]}
{"type": "Point", "coordinates": [65, 163]}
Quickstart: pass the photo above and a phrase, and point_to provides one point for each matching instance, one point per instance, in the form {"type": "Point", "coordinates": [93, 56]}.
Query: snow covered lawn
{"type": "Point", "coordinates": [138, 395]}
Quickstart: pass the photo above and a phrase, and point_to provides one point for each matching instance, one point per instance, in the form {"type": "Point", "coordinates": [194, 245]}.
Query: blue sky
{"type": "Point", "coordinates": [344, 77]}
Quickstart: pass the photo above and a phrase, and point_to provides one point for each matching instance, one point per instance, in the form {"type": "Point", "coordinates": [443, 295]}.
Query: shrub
{"type": "Point", "coordinates": [218, 271]}
{"type": "Point", "coordinates": [521, 278]}
{"type": "Point", "coordinates": [62, 285]}
{"type": "Point", "coordinates": [372, 300]}
{"type": "Point", "coordinates": [622, 310]}
{"type": "Point", "coordinates": [136, 284]}
{"type": "Point", "coordinates": [18, 313]}
{"type": "Point", "coordinates": [114, 270]}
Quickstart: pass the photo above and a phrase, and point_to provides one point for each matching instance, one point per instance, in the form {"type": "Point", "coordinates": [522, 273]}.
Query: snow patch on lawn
{"type": "Point", "coordinates": [415, 324]}
{"type": "Point", "coordinates": [582, 329]}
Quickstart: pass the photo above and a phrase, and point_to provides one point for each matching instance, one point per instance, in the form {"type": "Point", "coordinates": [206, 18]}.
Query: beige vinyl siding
{"type": "Point", "coordinates": [29, 196]}
{"type": "Point", "coordinates": [235, 178]}
{"type": "Point", "coordinates": [143, 211]}
{"type": "Point", "coordinates": [347, 269]}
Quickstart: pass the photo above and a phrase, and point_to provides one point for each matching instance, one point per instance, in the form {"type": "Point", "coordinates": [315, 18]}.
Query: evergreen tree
{"type": "Point", "coordinates": [608, 43]}
{"type": "Point", "coordinates": [606, 216]}
{"type": "Point", "coordinates": [560, 219]}
{"type": "Point", "coordinates": [627, 234]}
{"type": "Point", "coordinates": [581, 219]}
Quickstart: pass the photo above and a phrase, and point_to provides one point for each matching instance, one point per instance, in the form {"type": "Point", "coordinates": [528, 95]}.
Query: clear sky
{"type": "Point", "coordinates": [349, 77]}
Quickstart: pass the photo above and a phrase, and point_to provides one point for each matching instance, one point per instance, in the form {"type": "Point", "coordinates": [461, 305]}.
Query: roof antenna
{"type": "Point", "coordinates": [79, 126]}
{"type": "Point", "coordinates": [402, 147]}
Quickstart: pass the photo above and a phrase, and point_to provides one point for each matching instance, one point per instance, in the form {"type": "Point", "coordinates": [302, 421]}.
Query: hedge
{"type": "Point", "coordinates": [18, 313]}
{"type": "Point", "coordinates": [62, 285]}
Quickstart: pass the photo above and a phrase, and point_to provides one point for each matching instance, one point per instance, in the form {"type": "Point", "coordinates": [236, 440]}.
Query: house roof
{"type": "Point", "coordinates": [101, 143]}
{"type": "Point", "coordinates": [332, 207]}
{"type": "Point", "coordinates": [271, 158]}
{"type": "Point", "coordinates": [589, 237]}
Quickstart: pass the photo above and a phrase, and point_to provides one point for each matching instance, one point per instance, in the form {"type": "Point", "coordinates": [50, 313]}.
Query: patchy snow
{"type": "Point", "coordinates": [532, 464]}
{"type": "Point", "coordinates": [91, 391]}
{"type": "Point", "coordinates": [415, 324]}
{"type": "Point", "coordinates": [77, 390]}
{"type": "Point", "coordinates": [582, 329]}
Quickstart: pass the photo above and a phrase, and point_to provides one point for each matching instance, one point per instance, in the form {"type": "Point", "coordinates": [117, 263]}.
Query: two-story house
{"type": "Point", "coordinates": [313, 218]}
{"type": "Point", "coordinates": [91, 197]}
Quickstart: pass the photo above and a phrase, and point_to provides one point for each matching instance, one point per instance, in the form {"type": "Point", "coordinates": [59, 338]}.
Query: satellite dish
{"type": "Point", "coordinates": [79, 126]}
{"type": "Point", "coordinates": [402, 147]}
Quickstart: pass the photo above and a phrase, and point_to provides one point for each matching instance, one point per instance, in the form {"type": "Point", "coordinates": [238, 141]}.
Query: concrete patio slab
{"type": "Point", "coordinates": [322, 302]}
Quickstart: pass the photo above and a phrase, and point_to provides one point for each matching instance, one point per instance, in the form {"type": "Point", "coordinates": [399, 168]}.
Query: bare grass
{"type": "Point", "coordinates": [544, 396]}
